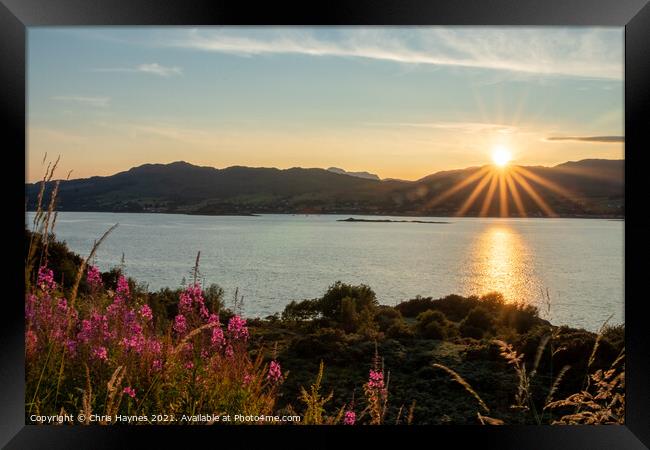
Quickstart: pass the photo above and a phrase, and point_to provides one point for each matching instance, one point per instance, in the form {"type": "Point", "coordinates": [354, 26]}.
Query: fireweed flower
{"type": "Point", "coordinates": [180, 324]}
{"type": "Point", "coordinates": [100, 353]}
{"type": "Point", "coordinates": [71, 345]}
{"type": "Point", "coordinates": [31, 342]}
{"type": "Point", "coordinates": [350, 418]}
{"type": "Point", "coordinates": [376, 379]}
{"type": "Point", "coordinates": [146, 313]}
{"type": "Point", "coordinates": [275, 373]}
{"type": "Point", "coordinates": [46, 279]}
{"type": "Point", "coordinates": [129, 391]}
{"type": "Point", "coordinates": [122, 286]}
{"type": "Point", "coordinates": [237, 328]}
{"type": "Point", "coordinates": [193, 296]}
{"type": "Point", "coordinates": [155, 346]}
{"type": "Point", "coordinates": [62, 305]}
{"type": "Point", "coordinates": [94, 276]}
{"type": "Point", "coordinates": [217, 339]}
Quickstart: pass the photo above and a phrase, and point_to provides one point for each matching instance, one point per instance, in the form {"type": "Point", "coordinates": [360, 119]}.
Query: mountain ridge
{"type": "Point", "coordinates": [596, 187]}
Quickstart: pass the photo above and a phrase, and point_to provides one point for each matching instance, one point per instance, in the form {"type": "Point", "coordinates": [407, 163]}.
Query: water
{"type": "Point", "coordinates": [274, 259]}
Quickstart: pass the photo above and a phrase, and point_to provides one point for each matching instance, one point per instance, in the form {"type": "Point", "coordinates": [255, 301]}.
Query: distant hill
{"type": "Point", "coordinates": [588, 188]}
{"type": "Point", "coordinates": [367, 175]}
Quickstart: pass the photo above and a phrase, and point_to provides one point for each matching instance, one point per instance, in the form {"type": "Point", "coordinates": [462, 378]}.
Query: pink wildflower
{"type": "Point", "coordinates": [189, 365]}
{"type": "Point", "coordinates": [275, 373]}
{"type": "Point", "coordinates": [237, 328]}
{"type": "Point", "coordinates": [350, 418]}
{"type": "Point", "coordinates": [189, 297]}
{"type": "Point", "coordinates": [180, 324]}
{"type": "Point", "coordinates": [247, 379]}
{"type": "Point", "coordinates": [62, 304]}
{"type": "Point", "coordinates": [94, 276]}
{"type": "Point", "coordinates": [129, 391]}
{"type": "Point", "coordinates": [155, 346]}
{"type": "Point", "coordinates": [229, 351]}
{"type": "Point", "coordinates": [71, 345]}
{"type": "Point", "coordinates": [376, 380]}
{"type": "Point", "coordinates": [146, 313]}
{"type": "Point", "coordinates": [123, 291]}
{"type": "Point", "coordinates": [46, 279]}
{"type": "Point", "coordinates": [100, 353]}
{"type": "Point", "coordinates": [31, 341]}
{"type": "Point", "coordinates": [217, 339]}
{"type": "Point", "coordinates": [157, 364]}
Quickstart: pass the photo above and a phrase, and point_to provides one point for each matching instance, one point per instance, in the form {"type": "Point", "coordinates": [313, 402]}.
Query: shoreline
{"type": "Point", "coordinates": [242, 214]}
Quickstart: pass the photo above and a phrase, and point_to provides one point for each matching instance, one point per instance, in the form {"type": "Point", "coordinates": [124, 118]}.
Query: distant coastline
{"type": "Point", "coordinates": [341, 213]}
{"type": "Point", "coordinates": [351, 219]}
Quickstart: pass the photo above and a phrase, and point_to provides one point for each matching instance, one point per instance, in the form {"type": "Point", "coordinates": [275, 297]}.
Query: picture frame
{"type": "Point", "coordinates": [17, 15]}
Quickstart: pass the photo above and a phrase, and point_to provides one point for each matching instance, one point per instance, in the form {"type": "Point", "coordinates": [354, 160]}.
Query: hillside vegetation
{"type": "Point", "coordinates": [594, 187]}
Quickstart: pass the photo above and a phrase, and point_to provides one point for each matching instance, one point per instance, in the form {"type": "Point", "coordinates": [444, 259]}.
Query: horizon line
{"type": "Point", "coordinates": [348, 172]}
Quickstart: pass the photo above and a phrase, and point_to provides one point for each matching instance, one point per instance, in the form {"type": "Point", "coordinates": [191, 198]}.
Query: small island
{"type": "Point", "coordinates": [352, 219]}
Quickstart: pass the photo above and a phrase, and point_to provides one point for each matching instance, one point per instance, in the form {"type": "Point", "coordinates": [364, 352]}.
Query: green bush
{"type": "Point", "coordinates": [300, 311]}
{"type": "Point", "coordinates": [520, 317]}
{"type": "Point", "coordinates": [477, 323]}
{"type": "Point", "coordinates": [363, 297]}
{"type": "Point", "coordinates": [349, 319]}
{"type": "Point", "coordinates": [432, 324]}
{"type": "Point", "coordinates": [386, 316]}
{"type": "Point", "coordinates": [400, 330]}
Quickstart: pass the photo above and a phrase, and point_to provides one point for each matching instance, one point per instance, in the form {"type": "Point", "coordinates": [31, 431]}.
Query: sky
{"type": "Point", "coordinates": [401, 102]}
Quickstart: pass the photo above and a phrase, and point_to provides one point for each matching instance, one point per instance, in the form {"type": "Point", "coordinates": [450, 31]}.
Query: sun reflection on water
{"type": "Point", "coordinates": [502, 262]}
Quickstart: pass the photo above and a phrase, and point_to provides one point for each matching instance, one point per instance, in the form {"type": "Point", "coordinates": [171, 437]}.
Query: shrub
{"type": "Point", "coordinates": [400, 330]}
{"type": "Point", "coordinates": [330, 304]}
{"type": "Point", "coordinates": [300, 311]}
{"type": "Point", "coordinates": [348, 318]}
{"type": "Point", "coordinates": [432, 324]}
{"type": "Point", "coordinates": [386, 316]}
{"type": "Point", "coordinates": [477, 323]}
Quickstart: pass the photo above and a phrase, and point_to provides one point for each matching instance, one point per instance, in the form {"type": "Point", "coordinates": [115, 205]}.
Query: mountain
{"type": "Point", "coordinates": [367, 175]}
{"type": "Point", "coordinates": [582, 188]}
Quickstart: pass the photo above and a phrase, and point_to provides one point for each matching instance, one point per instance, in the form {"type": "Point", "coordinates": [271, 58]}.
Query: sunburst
{"type": "Point", "coordinates": [510, 180]}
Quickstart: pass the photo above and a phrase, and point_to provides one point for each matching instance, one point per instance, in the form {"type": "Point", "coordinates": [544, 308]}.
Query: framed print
{"type": "Point", "coordinates": [386, 220]}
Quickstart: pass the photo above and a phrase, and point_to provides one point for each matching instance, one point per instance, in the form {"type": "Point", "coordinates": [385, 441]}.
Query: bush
{"type": "Point", "coordinates": [400, 330]}
{"type": "Point", "coordinates": [349, 318]}
{"type": "Point", "coordinates": [522, 318]}
{"type": "Point", "coordinates": [363, 298]}
{"type": "Point", "coordinates": [432, 325]}
{"type": "Point", "coordinates": [300, 311]}
{"type": "Point", "coordinates": [477, 323]}
{"type": "Point", "coordinates": [386, 316]}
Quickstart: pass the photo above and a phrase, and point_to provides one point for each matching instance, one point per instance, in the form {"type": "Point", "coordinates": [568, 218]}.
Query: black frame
{"type": "Point", "coordinates": [634, 15]}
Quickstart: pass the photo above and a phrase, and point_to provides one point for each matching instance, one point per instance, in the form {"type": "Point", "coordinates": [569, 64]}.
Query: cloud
{"type": "Point", "coordinates": [607, 139]}
{"type": "Point", "coordinates": [587, 53]}
{"type": "Point", "coordinates": [152, 68]}
{"type": "Point", "coordinates": [462, 127]}
{"type": "Point", "coordinates": [97, 102]}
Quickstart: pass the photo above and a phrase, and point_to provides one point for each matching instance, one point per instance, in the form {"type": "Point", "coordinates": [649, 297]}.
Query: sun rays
{"type": "Point", "coordinates": [516, 186]}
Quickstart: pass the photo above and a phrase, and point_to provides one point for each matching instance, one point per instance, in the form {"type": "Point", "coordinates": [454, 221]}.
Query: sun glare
{"type": "Point", "coordinates": [501, 156]}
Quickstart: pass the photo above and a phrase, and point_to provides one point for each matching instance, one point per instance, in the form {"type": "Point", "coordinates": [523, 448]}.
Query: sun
{"type": "Point", "coordinates": [501, 156]}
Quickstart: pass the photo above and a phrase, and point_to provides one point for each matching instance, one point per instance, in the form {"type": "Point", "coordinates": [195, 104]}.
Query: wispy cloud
{"type": "Point", "coordinates": [591, 53]}
{"type": "Point", "coordinates": [588, 138]}
{"type": "Point", "coordinates": [97, 102]}
{"type": "Point", "coordinates": [151, 68]}
{"type": "Point", "coordinates": [463, 127]}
